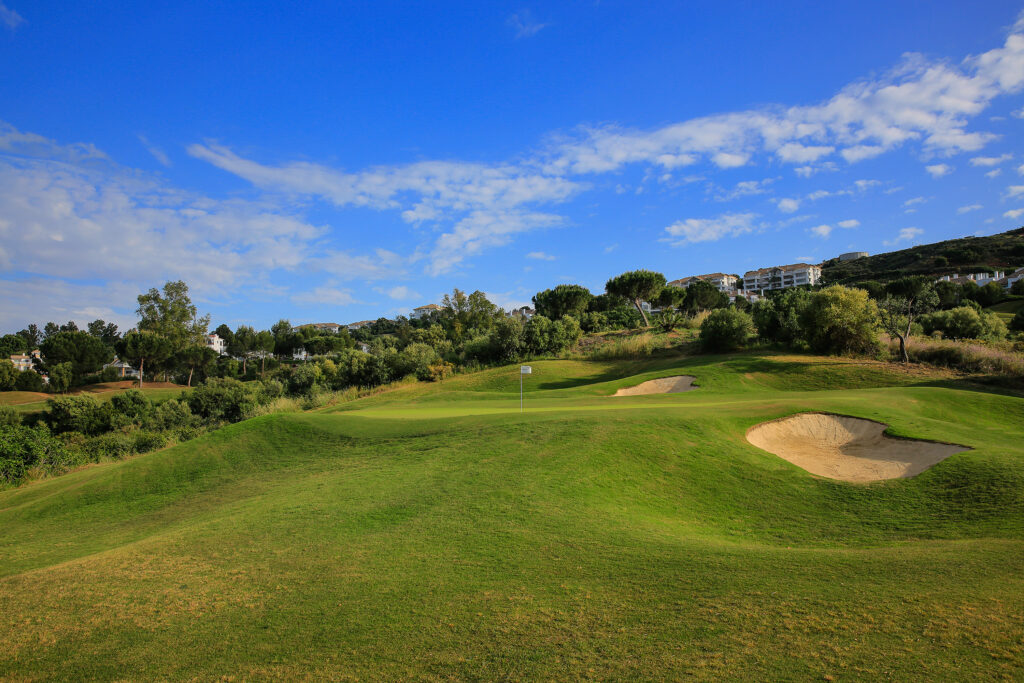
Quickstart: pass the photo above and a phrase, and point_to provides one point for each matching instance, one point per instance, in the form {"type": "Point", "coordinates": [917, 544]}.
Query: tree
{"type": "Point", "coordinates": [908, 299]}
{"type": "Point", "coordinates": [225, 333]}
{"type": "Point", "coordinates": [726, 329]}
{"type": "Point", "coordinates": [637, 286]}
{"type": "Point", "coordinates": [243, 343]}
{"type": "Point", "coordinates": [701, 295]}
{"type": "Point", "coordinates": [465, 313]}
{"type": "Point", "coordinates": [104, 331]}
{"type": "Point", "coordinates": [11, 344]}
{"type": "Point", "coordinates": [86, 353]}
{"type": "Point", "coordinates": [265, 344]}
{"type": "Point", "coordinates": [562, 300]}
{"type": "Point", "coordinates": [32, 336]}
{"type": "Point", "coordinates": [50, 329]}
{"type": "Point", "coordinates": [196, 358]}
{"type": "Point", "coordinates": [8, 374]}
{"type": "Point", "coordinates": [29, 380]}
{"type": "Point", "coordinates": [841, 320]}
{"type": "Point", "coordinates": [1017, 288]}
{"type": "Point", "coordinates": [60, 377]}
{"type": "Point", "coordinates": [284, 338]}
{"type": "Point", "coordinates": [171, 314]}
{"type": "Point", "coordinates": [137, 347]}
{"type": "Point", "coordinates": [670, 298]}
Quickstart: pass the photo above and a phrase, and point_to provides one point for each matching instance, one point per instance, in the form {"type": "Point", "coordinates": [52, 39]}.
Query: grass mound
{"type": "Point", "coordinates": [435, 532]}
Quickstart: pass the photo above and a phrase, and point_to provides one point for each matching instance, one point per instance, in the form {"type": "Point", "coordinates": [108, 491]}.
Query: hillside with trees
{"type": "Point", "coordinates": [1004, 251]}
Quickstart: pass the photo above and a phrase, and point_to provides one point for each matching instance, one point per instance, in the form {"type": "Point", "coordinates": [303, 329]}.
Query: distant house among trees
{"type": "Point", "coordinates": [423, 311]}
{"type": "Point", "coordinates": [23, 361]}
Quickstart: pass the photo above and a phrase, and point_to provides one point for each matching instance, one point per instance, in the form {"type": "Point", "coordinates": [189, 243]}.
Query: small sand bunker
{"type": "Point", "coordinates": [847, 448]}
{"type": "Point", "coordinates": [665, 385]}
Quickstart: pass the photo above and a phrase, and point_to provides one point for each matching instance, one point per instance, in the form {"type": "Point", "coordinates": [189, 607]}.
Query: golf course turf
{"type": "Point", "coordinates": [434, 532]}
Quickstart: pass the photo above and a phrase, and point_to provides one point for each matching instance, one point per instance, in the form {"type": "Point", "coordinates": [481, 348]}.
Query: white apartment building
{"type": "Point", "coordinates": [781, 277]}
{"type": "Point", "coordinates": [352, 327]}
{"type": "Point", "coordinates": [1014, 276]}
{"type": "Point", "coordinates": [723, 281]}
{"type": "Point", "coordinates": [217, 343]}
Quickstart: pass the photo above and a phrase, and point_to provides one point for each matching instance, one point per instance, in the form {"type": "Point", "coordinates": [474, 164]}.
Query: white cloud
{"type": "Point", "coordinates": [157, 153]}
{"type": "Point", "coordinates": [848, 224]}
{"type": "Point", "coordinates": [921, 101]}
{"type": "Point", "coordinates": [865, 185]}
{"type": "Point", "coordinates": [905, 235]}
{"type": "Point", "coordinates": [788, 205]}
{"type": "Point", "coordinates": [990, 161]}
{"type": "Point", "coordinates": [1014, 213]}
{"type": "Point", "coordinates": [1020, 169]}
{"type": "Point", "coordinates": [914, 201]}
{"type": "Point", "coordinates": [540, 256]}
{"type": "Point", "coordinates": [481, 230]}
{"type": "Point", "coordinates": [822, 231]}
{"type": "Point", "coordinates": [939, 170]}
{"type": "Point", "coordinates": [525, 25]}
{"type": "Point", "coordinates": [746, 188]}
{"type": "Point", "coordinates": [969, 208]}
{"type": "Point", "coordinates": [709, 229]}
{"type": "Point", "coordinates": [1014, 190]}
{"type": "Point", "coordinates": [610, 248]}
{"type": "Point", "coordinates": [41, 300]}
{"type": "Point", "coordinates": [324, 296]}
{"type": "Point", "coordinates": [9, 17]}
{"type": "Point", "coordinates": [401, 293]}
{"type": "Point", "coordinates": [994, 173]}
{"type": "Point", "coordinates": [730, 159]}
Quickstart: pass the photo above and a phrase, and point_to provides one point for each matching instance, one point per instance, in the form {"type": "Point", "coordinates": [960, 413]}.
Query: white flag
{"type": "Point", "coordinates": [525, 369]}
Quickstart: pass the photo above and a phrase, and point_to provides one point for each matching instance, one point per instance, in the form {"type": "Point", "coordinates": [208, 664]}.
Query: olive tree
{"type": "Point", "coordinates": [907, 300]}
{"type": "Point", "coordinates": [637, 286]}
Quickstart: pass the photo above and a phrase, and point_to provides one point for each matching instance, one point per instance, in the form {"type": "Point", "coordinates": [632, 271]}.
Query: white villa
{"type": "Point", "coordinates": [1014, 277]}
{"type": "Point", "coordinates": [723, 281]}
{"type": "Point", "coordinates": [352, 327]}
{"type": "Point", "coordinates": [423, 311]}
{"type": "Point", "coordinates": [23, 361]}
{"type": "Point", "coordinates": [217, 343]}
{"type": "Point", "coordinates": [781, 277]}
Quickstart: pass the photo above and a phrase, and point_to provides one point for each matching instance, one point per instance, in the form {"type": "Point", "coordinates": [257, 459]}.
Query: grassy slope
{"type": "Point", "coordinates": [1007, 309]}
{"type": "Point", "coordinates": [434, 532]}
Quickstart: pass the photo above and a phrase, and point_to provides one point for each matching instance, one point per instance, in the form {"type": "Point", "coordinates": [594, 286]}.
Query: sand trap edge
{"type": "Point", "coordinates": [884, 435]}
{"type": "Point", "coordinates": [651, 386]}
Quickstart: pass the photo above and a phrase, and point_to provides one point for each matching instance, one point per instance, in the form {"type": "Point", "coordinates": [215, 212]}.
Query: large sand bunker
{"type": "Point", "coordinates": [847, 448]}
{"type": "Point", "coordinates": [665, 385]}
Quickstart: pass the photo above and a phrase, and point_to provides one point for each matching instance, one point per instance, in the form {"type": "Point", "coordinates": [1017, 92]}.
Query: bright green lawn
{"type": "Point", "coordinates": [435, 533]}
{"type": "Point", "coordinates": [32, 401]}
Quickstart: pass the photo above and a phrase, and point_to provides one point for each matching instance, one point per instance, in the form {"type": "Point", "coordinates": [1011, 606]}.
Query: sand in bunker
{"type": "Point", "coordinates": [847, 448]}
{"type": "Point", "coordinates": [665, 385]}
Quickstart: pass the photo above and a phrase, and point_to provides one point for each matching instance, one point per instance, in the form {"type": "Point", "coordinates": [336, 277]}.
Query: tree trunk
{"type": "Point", "coordinates": [904, 358]}
{"type": "Point", "coordinates": [636, 302]}
{"type": "Point", "coordinates": [190, 376]}
{"type": "Point", "coordinates": [263, 365]}
{"type": "Point", "coordinates": [244, 358]}
{"type": "Point", "coordinates": [142, 364]}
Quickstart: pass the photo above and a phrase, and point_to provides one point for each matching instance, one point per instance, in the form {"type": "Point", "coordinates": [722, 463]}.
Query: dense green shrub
{"type": "Point", "coordinates": [221, 399]}
{"type": "Point", "coordinates": [304, 378]}
{"type": "Point", "coordinates": [726, 329]}
{"type": "Point", "coordinates": [29, 380]}
{"type": "Point", "coordinates": [130, 407]}
{"type": "Point", "coordinates": [1017, 324]}
{"type": "Point", "coordinates": [145, 441]}
{"type": "Point", "coordinates": [778, 317]}
{"type": "Point", "coordinates": [8, 374]}
{"type": "Point", "coordinates": [841, 320]}
{"type": "Point", "coordinates": [171, 414]}
{"type": "Point", "coordinates": [24, 448]}
{"type": "Point", "coordinates": [78, 414]}
{"type": "Point", "coordinates": [965, 322]}
{"type": "Point", "coordinates": [9, 417]}
{"type": "Point", "coordinates": [112, 445]}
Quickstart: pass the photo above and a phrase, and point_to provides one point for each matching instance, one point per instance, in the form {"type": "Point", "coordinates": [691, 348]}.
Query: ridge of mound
{"type": "Point", "coordinates": [662, 385]}
{"type": "Point", "coordinates": [847, 448]}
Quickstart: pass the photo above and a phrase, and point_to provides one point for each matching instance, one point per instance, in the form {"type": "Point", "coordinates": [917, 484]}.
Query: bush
{"type": "Point", "coordinates": [9, 417]}
{"type": "Point", "coordinates": [8, 375]}
{"type": "Point", "coordinates": [24, 448]}
{"type": "Point", "coordinates": [144, 442]}
{"type": "Point", "coordinates": [78, 414]}
{"type": "Point", "coordinates": [1017, 324]}
{"type": "Point", "coordinates": [132, 406]}
{"type": "Point", "coordinates": [29, 380]}
{"type": "Point", "coordinates": [965, 322]}
{"type": "Point", "coordinates": [726, 329]}
{"type": "Point", "coordinates": [172, 414]}
{"type": "Point", "coordinates": [221, 399]}
{"type": "Point", "coordinates": [841, 320]}
{"type": "Point", "coordinates": [114, 445]}
{"type": "Point", "coordinates": [304, 378]}
{"type": "Point", "coordinates": [778, 318]}
{"type": "Point", "coordinates": [439, 371]}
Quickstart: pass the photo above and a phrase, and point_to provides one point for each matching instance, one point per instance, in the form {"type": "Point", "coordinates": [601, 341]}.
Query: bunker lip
{"type": "Point", "coordinates": [848, 448]}
{"type": "Point", "coordinates": [676, 384]}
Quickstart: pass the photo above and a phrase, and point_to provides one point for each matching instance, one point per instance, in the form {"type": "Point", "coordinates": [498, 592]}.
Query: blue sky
{"type": "Point", "coordinates": [343, 161]}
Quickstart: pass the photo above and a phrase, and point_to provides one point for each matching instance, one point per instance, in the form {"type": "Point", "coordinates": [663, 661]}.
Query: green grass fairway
{"type": "Point", "coordinates": [1007, 309]}
{"type": "Point", "coordinates": [436, 533]}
